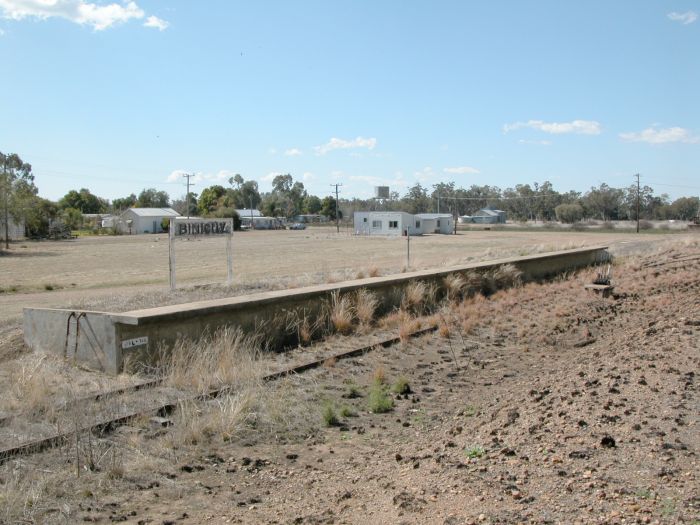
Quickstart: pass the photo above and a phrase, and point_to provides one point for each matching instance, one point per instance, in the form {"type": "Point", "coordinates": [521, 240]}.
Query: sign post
{"type": "Point", "coordinates": [181, 227]}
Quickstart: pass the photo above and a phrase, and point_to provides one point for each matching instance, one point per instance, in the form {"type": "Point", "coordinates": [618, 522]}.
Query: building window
{"type": "Point", "coordinates": [438, 223]}
{"type": "Point", "coordinates": [377, 224]}
{"type": "Point", "coordinates": [417, 224]}
{"type": "Point", "coordinates": [364, 219]}
{"type": "Point", "coordinates": [393, 225]}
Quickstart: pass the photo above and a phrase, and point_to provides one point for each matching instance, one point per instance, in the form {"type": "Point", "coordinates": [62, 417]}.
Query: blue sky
{"type": "Point", "coordinates": [119, 96]}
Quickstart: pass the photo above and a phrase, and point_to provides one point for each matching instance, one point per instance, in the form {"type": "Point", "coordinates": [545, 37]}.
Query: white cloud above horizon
{"type": "Point", "coordinates": [535, 142]}
{"type": "Point", "coordinates": [655, 135]}
{"type": "Point", "coordinates": [335, 143]}
{"type": "Point", "coordinates": [292, 152]}
{"type": "Point", "coordinates": [220, 177]}
{"type": "Point", "coordinates": [461, 170]}
{"type": "Point", "coordinates": [157, 23]}
{"type": "Point", "coordinates": [683, 18]}
{"type": "Point", "coordinates": [98, 16]}
{"type": "Point", "coordinates": [578, 127]}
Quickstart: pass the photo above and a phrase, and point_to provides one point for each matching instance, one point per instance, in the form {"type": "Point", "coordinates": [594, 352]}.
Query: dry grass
{"type": "Point", "coordinates": [455, 285]}
{"type": "Point", "coordinates": [228, 357]}
{"type": "Point", "coordinates": [373, 271]}
{"type": "Point", "coordinates": [414, 295]}
{"type": "Point", "coordinates": [341, 314]}
{"type": "Point", "coordinates": [366, 303]}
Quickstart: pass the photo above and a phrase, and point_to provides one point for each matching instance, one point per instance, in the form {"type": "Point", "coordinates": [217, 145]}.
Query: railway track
{"type": "Point", "coordinates": [108, 424]}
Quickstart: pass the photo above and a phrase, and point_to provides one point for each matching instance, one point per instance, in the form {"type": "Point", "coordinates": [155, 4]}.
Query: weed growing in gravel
{"type": "Point", "coordinates": [347, 411]}
{"type": "Point", "coordinates": [401, 386]}
{"type": "Point", "coordinates": [330, 418]}
{"type": "Point", "coordinates": [469, 411]}
{"type": "Point", "coordinates": [379, 401]}
{"type": "Point", "coordinates": [475, 451]}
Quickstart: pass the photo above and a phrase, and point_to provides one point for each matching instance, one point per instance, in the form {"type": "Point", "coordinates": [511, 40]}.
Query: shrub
{"type": "Point", "coordinates": [607, 225]}
{"type": "Point", "coordinates": [475, 451]}
{"type": "Point", "coordinates": [401, 386]}
{"type": "Point", "coordinates": [645, 225]}
{"type": "Point", "coordinates": [379, 401]}
{"type": "Point", "coordinates": [347, 411]}
{"type": "Point", "coordinates": [569, 213]}
{"type": "Point", "coordinates": [329, 416]}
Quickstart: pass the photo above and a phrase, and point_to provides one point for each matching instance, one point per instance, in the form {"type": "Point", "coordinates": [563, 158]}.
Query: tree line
{"type": "Point", "coordinates": [20, 201]}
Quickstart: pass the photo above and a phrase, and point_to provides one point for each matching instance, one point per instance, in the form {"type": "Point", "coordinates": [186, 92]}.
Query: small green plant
{"type": "Point", "coordinates": [475, 451]}
{"type": "Point", "coordinates": [643, 494]}
{"type": "Point", "coordinates": [469, 410]}
{"type": "Point", "coordinates": [329, 416]}
{"type": "Point", "coordinates": [401, 386]}
{"type": "Point", "coordinates": [379, 401]}
{"type": "Point", "coordinates": [668, 508]}
{"type": "Point", "coordinates": [347, 411]}
{"type": "Point", "coordinates": [353, 392]}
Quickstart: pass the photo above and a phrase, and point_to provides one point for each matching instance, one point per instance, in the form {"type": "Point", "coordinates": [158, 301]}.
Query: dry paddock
{"type": "Point", "coordinates": [65, 273]}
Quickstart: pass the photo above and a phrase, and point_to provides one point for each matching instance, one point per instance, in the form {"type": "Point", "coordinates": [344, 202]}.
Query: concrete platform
{"type": "Point", "coordinates": [113, 342]}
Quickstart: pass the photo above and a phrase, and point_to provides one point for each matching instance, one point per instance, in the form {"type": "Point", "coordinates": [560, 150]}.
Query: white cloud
{"type": "Point", "coordinates": [98, 16]}
{"type": "Point", "coordinates": [207, 179]}
{"type": "Point", "coordinates": [684, 18]}
{"type": "Point", "coordinates": [158, 23]}
{"type": "Point", "coordinates": [655, 135]}
{"type": "Point", "coordinates": [308, 176]}
{"type": "Point", "coordinates": [536, 142]}
{"type": "Point", "coordinates": [2, 33]}
{"type": "Point", "coordinates": [461, 170]}
{"type": "Point", "coordinates": [292, 152]}
{"type": "Point", "coordinates": [336, 143]}
{"type": "Point", "coordinates": [270, 176]}
{"type": "Point", "coordinates": [425, 175]}
{"type": "Point", "coordinates": [579, 127]}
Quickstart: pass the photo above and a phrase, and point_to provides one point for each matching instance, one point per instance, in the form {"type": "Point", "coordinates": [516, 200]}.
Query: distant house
{"type": "Point", "coordinates": [262, 223]}
{"type": "Point", "coordinates": [383, 223]}
{"type": "Point", "coordinates": [436, 222]}
{"type": "Point", "coordinates": [144, 220]}
{"type": "Point", "coordinates": [485, 216]}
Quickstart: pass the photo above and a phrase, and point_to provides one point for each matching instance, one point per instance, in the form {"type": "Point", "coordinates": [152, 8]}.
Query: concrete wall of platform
{"type": "Point", "coordinates": [112, 342]}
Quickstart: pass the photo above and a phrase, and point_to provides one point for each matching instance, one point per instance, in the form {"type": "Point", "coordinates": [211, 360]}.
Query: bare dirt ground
{"type": "Point", "coordinates": [539, 404]}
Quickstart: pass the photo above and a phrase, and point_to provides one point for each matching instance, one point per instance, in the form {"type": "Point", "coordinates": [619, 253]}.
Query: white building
{"type": "Point", "coordinates": [386, 223]}
{"type": "Point", "coordinates": [436, 222]}
{"type": "Point", "coordinates": [144, 220]}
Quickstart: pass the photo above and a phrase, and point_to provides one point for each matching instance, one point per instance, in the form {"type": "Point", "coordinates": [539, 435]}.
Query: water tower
{"type": "Point", "coordinates": [381, 195]}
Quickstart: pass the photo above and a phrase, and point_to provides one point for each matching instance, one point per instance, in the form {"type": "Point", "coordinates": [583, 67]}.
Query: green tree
{"type": "Point", "coordinates": [152, 198]}
{"type": "Point", "coordinates": [119, 205]}
{"type": "Point", "coordinates": [312, 204]}
{"type": "Point", "coordinates": [16, 187]}
{"type": "Point", "coordinates": [211, 199]}
{"type": "Point", "coordinates": [569, 213]}
{"type": "Point", "coordinates": [84, 201]}
{"type": "Point", "coordinates": [328, 206]}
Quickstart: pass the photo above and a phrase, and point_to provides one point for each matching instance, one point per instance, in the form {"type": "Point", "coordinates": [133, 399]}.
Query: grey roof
{"type": "Point", "coordinates": [247, 212]}
{"type": "Point", "coordinates": [434, 216]}
{"type": "Point", "coordinates": [154, 212]}
{"type": "Point", "coordinates": [489, 212]}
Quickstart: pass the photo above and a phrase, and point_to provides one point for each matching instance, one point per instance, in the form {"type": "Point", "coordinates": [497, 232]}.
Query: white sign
{"type": "Point", "coordinates": [137, 341]}
{"type": "Point", "coordinates": [195, 227]}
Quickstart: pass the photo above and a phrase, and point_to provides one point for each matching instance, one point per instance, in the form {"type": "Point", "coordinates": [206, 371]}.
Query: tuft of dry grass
{"type": "Point", "coordinates": [373, 271]}
{"type": "Point", "coordinates": [379, 375]}
{"type": "Point", "coordinates": [455, 285]}
{"type": "Point", "coordinates": [507, 276]}
{"type": "Point", "coordinates": [413, 296]}
{"type": "Point", "coordinates": [341, 315]}
{"type": "Point", "coordinates": [366, 303]}
{"type": "Point", "coordinates": [225, 358]}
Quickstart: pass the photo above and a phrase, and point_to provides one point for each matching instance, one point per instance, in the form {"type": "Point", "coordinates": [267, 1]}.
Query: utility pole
{"type": "Point", "coordinates": [637, 175]}
{"type": "Point", "coordinates": [188, 176]}
{"type": "Point", "coordinates": [6, 191]}
{"type": "Point", "coordinates": [438, 199]}
{"type": "Point", "coordinates": [337, 224]}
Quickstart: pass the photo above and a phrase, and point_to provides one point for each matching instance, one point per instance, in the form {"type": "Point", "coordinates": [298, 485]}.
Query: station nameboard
{"type": "Point", "coordinates": [193, 227]}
